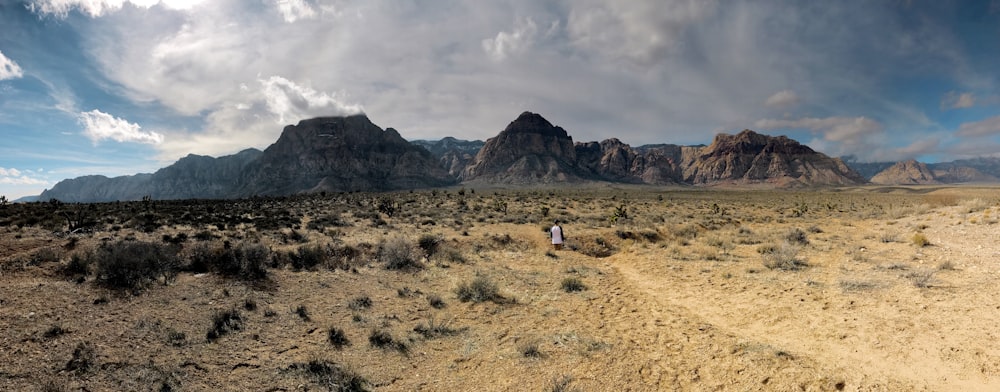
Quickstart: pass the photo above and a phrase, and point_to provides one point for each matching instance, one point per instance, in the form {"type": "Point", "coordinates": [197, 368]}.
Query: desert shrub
{"type": "Point", "coordinates": [481, 289]}
{"type": "Point", "coordinates": [133, 265]}
{"type": "Point", "coordinates": [54, 332]}
{"type": "Point", "coordinates": [245, 261]}
{"type": "Point", "coordinates": [223, 323]}
{"type": "Point", "coordinates": [797, 236]}
{"type": "Point", "coordinates": [920, 240]}
{"type": "Point", "coordinates": [857, 285]}
{"type": "Point", "coordinates": [49, 254]}
{"type": "Point", "coordinates": [454, 256]}
{"type": "Point", "coordinates": [436, 301]}
{"type": "Point", "coordinates": [359, 303]}
{"type": "Point", "coordinates": [921, 279]}
{"type": "Point", "coordinates": [596, 247]}
{"type": "Point", "coordinates": [303, 312]}
{"type": "Point", "coordinates": [331, 376]}
{"type": "Point", "coordinates": [84, 358]}
{"type": "Point", "coordinates": [429, 243]}
{"type": "Point", "coordinates": [573, 284]}
{"type": "Point", "coordinates": [561, 383]}
{"type": "Point", "coordinates": [784, 257]}
{"type": "Point", "coordinates": [398, 254]}
{"type": "Point", "coordinates": [689, 231]}
{"type": "Point", "coordinates": [307, 257]}
{"type": "Point", "coordinates": [342, 256]}
{"type": "Point", "coordinates": [383, 339]}
{"type": "Point", "coordinates": [176, 338]}
{"type": "Point", "coordinates": [432, 330]}
{"type": "Point", "coordinates": [338, 338]}
{"type": "Point", "coordinates": [530, 349]}
{"type": "Point", "coordinates": [78, 265]}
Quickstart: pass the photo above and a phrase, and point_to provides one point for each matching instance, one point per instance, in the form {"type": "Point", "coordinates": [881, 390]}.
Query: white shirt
{"type": "Point", "coordinates": [556, 233]}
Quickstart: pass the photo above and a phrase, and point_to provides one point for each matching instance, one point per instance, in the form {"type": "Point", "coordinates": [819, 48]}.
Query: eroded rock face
{"type": "Point", "coordinates": [908, 172]}
{"type": "Point", "coordinates": [529, 151]}
{"type": "Point", "coordinates": [341, 154]}
{"type": "Point", "coordinates": [749, 157]}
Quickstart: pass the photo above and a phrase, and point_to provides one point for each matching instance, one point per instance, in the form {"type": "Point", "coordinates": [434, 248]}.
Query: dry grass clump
{"type": "Point", "coordinates": [481, 289]}
{"type": "Point", "coordinates": [397, 253]}
{"type": "Point", "coordinates": [920, 240]}
{"type": "Point", "coordinates": [573, 284]}
{"type": "Point", "coordinates": [331, 376]}
{"type": "Point", "coordinates": [783, 257]}
{"type": "Point", "coordinates": [594, 246]}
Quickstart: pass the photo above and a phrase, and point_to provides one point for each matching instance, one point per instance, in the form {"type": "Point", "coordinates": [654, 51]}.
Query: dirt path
{"type": "Point", "coordinates": [891, 336]}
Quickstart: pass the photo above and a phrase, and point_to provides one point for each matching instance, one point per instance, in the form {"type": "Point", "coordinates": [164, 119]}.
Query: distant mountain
{"type": "Point", "coordinates": [749, 158]}
{"type": "Point", "coordinates": [351, 153]}
{"type": "Point", "coordinates": [341, 154]}
{"type": "Point", "coordinates": [529, 151]}
{"type": "Point", "coordinates": [978, 170]}
{"type": "Point", "coordinates": [908, 172]}
{"type": "Point", "coordinates": [452, 154]}
{"type": "Point", "coordinates": [323, 154]}
{"type": "Point", "coordinates": [533, 151]}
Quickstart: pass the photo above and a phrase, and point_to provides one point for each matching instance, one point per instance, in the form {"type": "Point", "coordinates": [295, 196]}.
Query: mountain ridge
{"type": "Point", "coordinates": [350, 153]}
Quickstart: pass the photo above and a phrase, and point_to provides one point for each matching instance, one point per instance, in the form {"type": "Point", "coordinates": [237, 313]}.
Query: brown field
{"type": "Point", "coordinates": [860, 289]}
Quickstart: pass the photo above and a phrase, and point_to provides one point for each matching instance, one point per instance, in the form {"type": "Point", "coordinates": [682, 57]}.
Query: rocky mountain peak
{"type": "Point", "coordinates": [529, 122]}
{"type": "Point", "coordinates": [909, 172]}
{"type": "Point", "coordinates": [529, 150]}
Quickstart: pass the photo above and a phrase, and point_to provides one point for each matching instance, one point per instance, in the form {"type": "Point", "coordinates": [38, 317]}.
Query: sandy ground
{"type": "Point", "coordinates": [870, 311]}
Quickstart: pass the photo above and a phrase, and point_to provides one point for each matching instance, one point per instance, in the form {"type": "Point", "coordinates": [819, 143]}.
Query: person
{"type": "Point", "coordinates": [556, 232]}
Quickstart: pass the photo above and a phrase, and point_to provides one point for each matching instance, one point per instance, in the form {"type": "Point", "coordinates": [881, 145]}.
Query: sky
{"type": "Point", "coordinates": [118, 87]}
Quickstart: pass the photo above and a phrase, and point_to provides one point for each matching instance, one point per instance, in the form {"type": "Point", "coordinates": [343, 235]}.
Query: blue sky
{"type": "Point", "coordinates": [117, 87]}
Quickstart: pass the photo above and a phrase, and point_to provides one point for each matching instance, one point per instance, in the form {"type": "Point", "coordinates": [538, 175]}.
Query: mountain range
{"type": "Point", "coordinates": [350, 153]}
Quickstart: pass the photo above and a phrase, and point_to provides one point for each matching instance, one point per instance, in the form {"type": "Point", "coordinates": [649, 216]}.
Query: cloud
{"type": "Point", "coordinates": [99, 126]}
{"type": "Point", "coordinates": [97, 8]}
{"type": "Point", "coordinates": [641, 32]}
{"type": "Point", "coordinates": [291, 102]}
{"type": "Point", "coordinates": [293, 10]}
{"type": "Point", "coordinates": [511, 43]}
{"type": "Point", "coordinates": [953, 100]}
{"type": "Point", "coordinates": [987, 127]}
{"type": "Point", "coordinates": [18, 177]}
{"type": "Point", "coordinates": [9, 69]}
{"type": "Point", "coordinates": [841, 129]}
{"type": "Point", "coordinates": [782, 99]}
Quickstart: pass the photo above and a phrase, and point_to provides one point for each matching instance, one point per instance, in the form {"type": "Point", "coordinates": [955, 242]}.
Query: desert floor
{"type": "Point", "coordinates": [855, 289]}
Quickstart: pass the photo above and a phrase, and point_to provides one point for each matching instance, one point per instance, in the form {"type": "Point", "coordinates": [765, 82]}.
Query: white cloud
{"type": "Point", "coordinates": [17, 177]}
{"type": "Point", "coordinates": [9, 69]}
{"type": "Point", "coordinates": [841, 129]}
{"type": "Point", "coordinates": [511, 43]}
{"type": "Point", "coordinates": [782, 99]}
{"type": "Point", "coordinates": [987, 127]}
{"type": "Point", "coordinates": [638, 31]}
{"type": "Point", "coordinates": [292, 10]}
{"type": "Point", "coordinates": [291, 102]}
{"type": "Point", "coordinates": [99, 126]}
{"type": "Point", "coordinates": [953, 100]}
{"type": "Point", "coordinates": [97, 8]}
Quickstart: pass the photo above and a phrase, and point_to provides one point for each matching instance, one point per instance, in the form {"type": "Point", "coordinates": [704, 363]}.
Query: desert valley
{"type": "Point", "coordinates": [345, 258]}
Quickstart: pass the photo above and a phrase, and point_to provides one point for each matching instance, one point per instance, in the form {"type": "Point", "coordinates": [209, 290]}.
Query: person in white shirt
{"type": "Point", "coordinates": [556, 232]}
